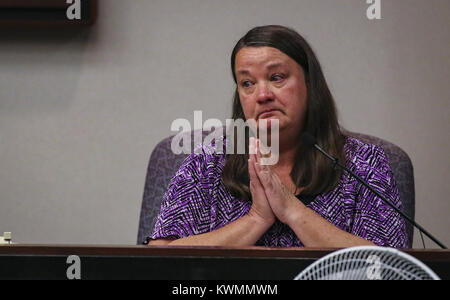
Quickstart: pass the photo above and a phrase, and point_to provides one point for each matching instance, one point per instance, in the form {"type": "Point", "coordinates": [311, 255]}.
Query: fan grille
{"type": "Point", "coordinates": [367, 263]}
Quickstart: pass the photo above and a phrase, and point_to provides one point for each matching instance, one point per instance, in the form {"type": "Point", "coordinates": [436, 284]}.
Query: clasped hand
{"type": "Point", "coordinates": [271, 198]}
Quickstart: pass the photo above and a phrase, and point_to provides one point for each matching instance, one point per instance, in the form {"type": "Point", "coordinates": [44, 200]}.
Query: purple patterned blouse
{"type": "Point", "coordinates": [197, 201]}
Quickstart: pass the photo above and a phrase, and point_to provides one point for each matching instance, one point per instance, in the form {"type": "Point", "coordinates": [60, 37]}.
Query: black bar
{"type": "Point", "coordinates": [25, 262]}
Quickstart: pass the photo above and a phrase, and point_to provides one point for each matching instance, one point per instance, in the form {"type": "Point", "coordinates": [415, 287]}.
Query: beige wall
{"type": "Point", "coordinates": [80, 113]}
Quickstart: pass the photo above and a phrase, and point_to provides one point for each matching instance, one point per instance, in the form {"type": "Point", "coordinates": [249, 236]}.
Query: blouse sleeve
{"type": "Point", "coordinates": [185, 208]}
{"type": "Point", "coordinates": [375, 220]}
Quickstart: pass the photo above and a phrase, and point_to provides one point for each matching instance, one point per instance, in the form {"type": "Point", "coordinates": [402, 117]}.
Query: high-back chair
{"type": "Point", "coordinates": [164, 163]}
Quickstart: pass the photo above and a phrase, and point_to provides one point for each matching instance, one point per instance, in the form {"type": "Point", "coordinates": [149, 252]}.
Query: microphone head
{"type": "Point", "coordinates": [308, 139]}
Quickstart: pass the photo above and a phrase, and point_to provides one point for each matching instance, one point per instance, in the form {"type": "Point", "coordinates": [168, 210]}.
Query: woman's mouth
{"type": "Point", "coordinates": [268, 113]}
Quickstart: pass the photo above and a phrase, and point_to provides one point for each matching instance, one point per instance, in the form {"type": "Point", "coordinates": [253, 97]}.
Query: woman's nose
{"type": "Point", "coordinates": [264, 93]}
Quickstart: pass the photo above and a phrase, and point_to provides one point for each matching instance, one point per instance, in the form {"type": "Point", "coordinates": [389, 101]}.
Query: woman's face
{"type": "Point", "coordinates": [271, 85]}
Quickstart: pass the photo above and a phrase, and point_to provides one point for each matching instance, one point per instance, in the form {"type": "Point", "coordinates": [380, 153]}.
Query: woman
{"type": "Point", "coordinates": [233, 200]}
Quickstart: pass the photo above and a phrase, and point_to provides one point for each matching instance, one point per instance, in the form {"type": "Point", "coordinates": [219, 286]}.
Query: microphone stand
{"type": "Point", "coordinates": [360, 180]}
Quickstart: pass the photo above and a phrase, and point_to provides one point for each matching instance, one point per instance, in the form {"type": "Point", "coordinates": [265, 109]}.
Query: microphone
{"type": "Point", "coordinates": [309, 140]}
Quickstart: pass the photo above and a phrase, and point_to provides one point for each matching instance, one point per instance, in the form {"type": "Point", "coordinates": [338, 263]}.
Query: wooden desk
{"type": "Point", "coordinates": [175, 263]}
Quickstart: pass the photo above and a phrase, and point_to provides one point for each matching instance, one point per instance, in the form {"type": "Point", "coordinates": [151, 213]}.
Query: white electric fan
{"type": "Point", "coordinates": [367, 263]}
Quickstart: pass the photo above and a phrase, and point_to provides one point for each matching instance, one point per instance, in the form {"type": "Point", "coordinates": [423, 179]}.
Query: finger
{"type": "Point", "coordinates": [251, 170]}
{"type": "Point", "coordinates": [258, 152]}
{"type": "Point", "coordinates": [262, 151]}
{"type": "Point", "coordinates": [252, 154]}
{"type": "Point", "coordinates": [261, 166]}
{"type": "Point", "coordinates": [252, 148]}
{"type": "Point", "coordinates": [274, 188]}
{"type": "Point", "coordinates": [264, 176]}
{"type": "Point", "coordinates": [255, 183]}
{"type": "Point", "coordinates": [263, 172]}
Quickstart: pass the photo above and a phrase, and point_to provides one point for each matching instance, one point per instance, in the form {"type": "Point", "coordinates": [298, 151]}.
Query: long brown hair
{"type": "Point", "coordinates": [311, 170]}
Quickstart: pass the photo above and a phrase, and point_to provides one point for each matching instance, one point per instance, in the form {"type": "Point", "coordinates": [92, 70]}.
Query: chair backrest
{"type": "Point", "coordinates": [162, 167]}
{"type": "Point", "coordinates": [402, 169]}
{"type": "Point", "coordinates": [164, 163]}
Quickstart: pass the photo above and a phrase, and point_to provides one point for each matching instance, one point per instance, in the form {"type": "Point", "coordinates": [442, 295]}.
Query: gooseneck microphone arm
{"type": "Point", "coordinates": [309, 140]}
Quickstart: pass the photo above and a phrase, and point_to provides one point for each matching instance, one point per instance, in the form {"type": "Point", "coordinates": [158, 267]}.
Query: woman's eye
{"type": "Point", "coordinates": [246, 83]}
{"type": "Point", "coordinates": [277, 77]}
